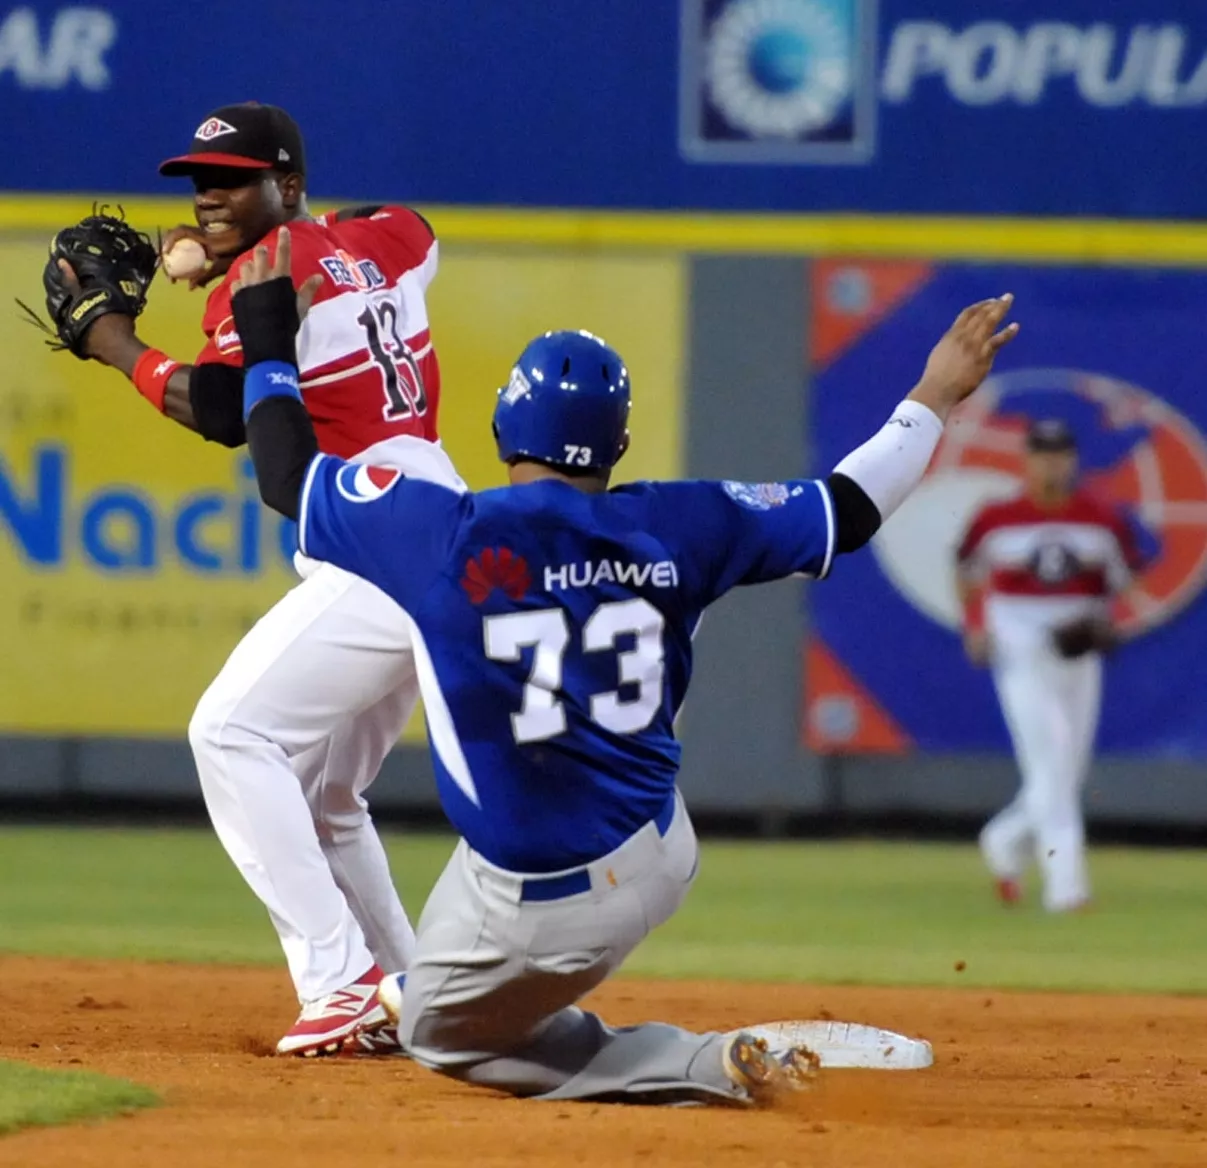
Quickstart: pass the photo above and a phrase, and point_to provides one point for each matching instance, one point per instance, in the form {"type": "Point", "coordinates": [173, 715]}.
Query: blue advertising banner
{"type": "Point", "coordinates": [1118, 355]}
{"type": "Point", "coordinates": [1066, 107]}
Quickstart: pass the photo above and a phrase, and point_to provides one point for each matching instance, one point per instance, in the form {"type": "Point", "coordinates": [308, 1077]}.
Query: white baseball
{"type": "Point", "coordinates": [185, 259]}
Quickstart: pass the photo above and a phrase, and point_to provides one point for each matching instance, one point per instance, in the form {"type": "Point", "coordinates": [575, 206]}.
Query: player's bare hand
{"type": "Point", "coordinates": [215, 267]}
{"type": "Point", "coordinates": [260, 269]}
{"type": "Point", "coordinates": [964, 355]}
{"type": "Point", "coordinates": [976, 646]}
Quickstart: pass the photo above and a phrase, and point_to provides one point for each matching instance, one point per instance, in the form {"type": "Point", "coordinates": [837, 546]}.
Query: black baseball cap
{"type": "Point", "coordinates": [1050, 435]}
{"type": "Point", "coordinates": [250, 135]}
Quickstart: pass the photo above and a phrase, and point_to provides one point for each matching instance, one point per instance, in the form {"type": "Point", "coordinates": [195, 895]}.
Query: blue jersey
{"type": "Point", "coordinates": [553, 632]}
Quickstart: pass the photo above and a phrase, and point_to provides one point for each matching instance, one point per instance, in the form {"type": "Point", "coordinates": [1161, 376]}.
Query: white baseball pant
{"type": "Point", "coordinates": [1051, 708]}
{"type": "Point", "coordinates": [287, 739]}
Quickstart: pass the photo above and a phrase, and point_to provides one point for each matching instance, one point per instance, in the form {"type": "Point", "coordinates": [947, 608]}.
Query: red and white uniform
{"type": "Point", "coordinates": [365, 352]}
{"type": "Point", "coordinates": [1042, 568]}
{"type": "Point", "coordinates": [1039, 569]}
{"type": "Point", "coordinates": [296, 725]}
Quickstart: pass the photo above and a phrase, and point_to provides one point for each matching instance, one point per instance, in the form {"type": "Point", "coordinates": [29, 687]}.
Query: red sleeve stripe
{"type": "Point", "coordinates": [1023, 582]}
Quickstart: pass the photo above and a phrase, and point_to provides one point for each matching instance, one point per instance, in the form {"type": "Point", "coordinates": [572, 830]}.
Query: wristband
{"type": "Point", "coordinates": [269, 379]}
{"type": "Point", "coordinates": [150, 375]}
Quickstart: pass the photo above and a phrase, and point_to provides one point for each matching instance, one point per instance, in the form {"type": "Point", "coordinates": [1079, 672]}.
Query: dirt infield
{"type": "Point", "coordinates": [1019, 1080]}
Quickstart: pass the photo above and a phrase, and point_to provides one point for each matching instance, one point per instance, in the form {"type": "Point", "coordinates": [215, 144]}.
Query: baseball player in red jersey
{"type": "Point", "coordinates": [1037, 574]}
{"type": "Point", "coordinates": [296, 725]}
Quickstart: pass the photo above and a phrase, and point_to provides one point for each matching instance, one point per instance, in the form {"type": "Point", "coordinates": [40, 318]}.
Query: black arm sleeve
{"type": "Point", "coordinates": [345, 213]}
{"type": "Point", "coordinates": [369, 211]}
{"type": "Point", "coordinates": [856, 517]}
{"type": "Point", "coordinates": [281, 439]}
{"type": "Point", "coordinates": [216, 396]}
{"type": "Point", "coordinates": [280, 434]}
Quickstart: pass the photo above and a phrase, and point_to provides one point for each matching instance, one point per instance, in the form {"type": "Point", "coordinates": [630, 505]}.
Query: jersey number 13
{"type": "Point", "coordinates": [547, 632]}
{"type": "Point", "coordinates": [400, 374]}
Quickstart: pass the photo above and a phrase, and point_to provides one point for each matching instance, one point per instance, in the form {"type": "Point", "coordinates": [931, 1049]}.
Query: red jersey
{"type": "Point", "coordinates": [368, 368]}
{"type": "Point", "coordinates": [1084, 548]}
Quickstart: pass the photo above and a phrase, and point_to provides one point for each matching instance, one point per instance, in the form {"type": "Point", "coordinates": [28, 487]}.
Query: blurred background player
{"type": "Point", "coordinates": [296, 725]}
{"type": "Point", "coordinates": [558, 618]}
{"type": "Point", "coordinates": [1037, 574]}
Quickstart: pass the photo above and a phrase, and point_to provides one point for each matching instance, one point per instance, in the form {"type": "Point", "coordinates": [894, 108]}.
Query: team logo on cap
{"type": "Point", "coordinates": [363, 484]}
{"type": "Point", "coordinates": [213, 128]}
{"type": "Point", "coordinates": [1135, 450]}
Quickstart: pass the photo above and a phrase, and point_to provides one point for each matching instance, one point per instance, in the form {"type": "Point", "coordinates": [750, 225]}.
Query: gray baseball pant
{"type": "Point", "coordinates": [490, 991]}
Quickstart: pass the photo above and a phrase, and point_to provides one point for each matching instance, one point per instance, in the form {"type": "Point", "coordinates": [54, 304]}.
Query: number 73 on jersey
{"type": "Point", "coordinates": [547, 632]}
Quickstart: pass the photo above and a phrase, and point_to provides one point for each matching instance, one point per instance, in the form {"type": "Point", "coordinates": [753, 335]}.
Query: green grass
{"type": "Point", "coordinates": [32, 1097]}
{"type": "Point", "coordinates": [830, 912]}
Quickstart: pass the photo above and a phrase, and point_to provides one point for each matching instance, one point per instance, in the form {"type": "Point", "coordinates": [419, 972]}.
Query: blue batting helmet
{"type": "Point", "coordinates": [566, 403]}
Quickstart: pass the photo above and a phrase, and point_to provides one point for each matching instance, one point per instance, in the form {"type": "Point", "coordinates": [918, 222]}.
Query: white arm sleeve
{"type": "Point", "coordinates": [890, 464]}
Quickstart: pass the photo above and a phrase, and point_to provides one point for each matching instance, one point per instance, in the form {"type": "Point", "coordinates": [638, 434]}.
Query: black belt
{"type": "Point", "coordinates": [579, 881]}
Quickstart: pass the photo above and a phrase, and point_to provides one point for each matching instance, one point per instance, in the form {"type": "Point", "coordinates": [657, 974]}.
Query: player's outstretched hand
{"type": "Point", "coordinates": [964, 355]}
{"type": "Point", "coordinates": [258, 270]}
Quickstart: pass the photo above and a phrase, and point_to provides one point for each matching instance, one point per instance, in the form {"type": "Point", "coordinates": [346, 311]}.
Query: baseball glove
{"type": "Point", "coordinates": [1089, 634]}
{"type": "Point", "coordinates": [113, 265]}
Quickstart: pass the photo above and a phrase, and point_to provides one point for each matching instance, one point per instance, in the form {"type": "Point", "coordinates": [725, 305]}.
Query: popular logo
{"type": "Point", "coordinates": [990, 62]}
{"type": "Point", "coordinates": [362, 484]}
{"type": "Point", "coordinates": [213, 128]}
{"type": "Point", "coordinates": [59, 51]}
{"type": "Point", "coordinates": [1134, 449]}
{"type": "Point", "coordinates": [496, 568]}
{"type": "Point", "coordinates": [777, 80]}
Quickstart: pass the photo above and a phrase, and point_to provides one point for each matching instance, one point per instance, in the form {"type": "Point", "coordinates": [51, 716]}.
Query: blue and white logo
{"type": "Point", "coordinates": [757, 496]}
{"type": "Point", "coordinates": [777, 81]}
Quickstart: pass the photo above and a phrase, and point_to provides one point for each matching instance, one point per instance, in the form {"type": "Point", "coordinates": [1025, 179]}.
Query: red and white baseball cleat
{"type": "Point", "coordinates": [324, 1024]}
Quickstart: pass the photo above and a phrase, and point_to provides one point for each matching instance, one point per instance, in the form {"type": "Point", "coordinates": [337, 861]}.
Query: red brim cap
{"type": "Point", "coordinates": [187, 163]}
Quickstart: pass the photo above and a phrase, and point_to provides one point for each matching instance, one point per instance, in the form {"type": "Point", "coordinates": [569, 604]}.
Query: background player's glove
{"type": "Point", "coordinates": [1087, 635]}
{"type": "Point", "coordinates": [111, 269]}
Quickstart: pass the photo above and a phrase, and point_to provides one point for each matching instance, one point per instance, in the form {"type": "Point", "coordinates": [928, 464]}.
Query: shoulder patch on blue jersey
{"type": "Point", "coordinates": [757, 496]}
{"type": "Point", "coordinates": [362, 484]}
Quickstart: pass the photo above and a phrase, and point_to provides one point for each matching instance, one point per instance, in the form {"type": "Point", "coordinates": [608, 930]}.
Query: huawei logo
{"type": "Point", "coordinates": [496, 568]}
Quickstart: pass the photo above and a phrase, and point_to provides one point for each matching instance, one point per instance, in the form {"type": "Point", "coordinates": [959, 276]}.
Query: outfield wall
{"type": "Point", "coordinates": [131, 554]}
